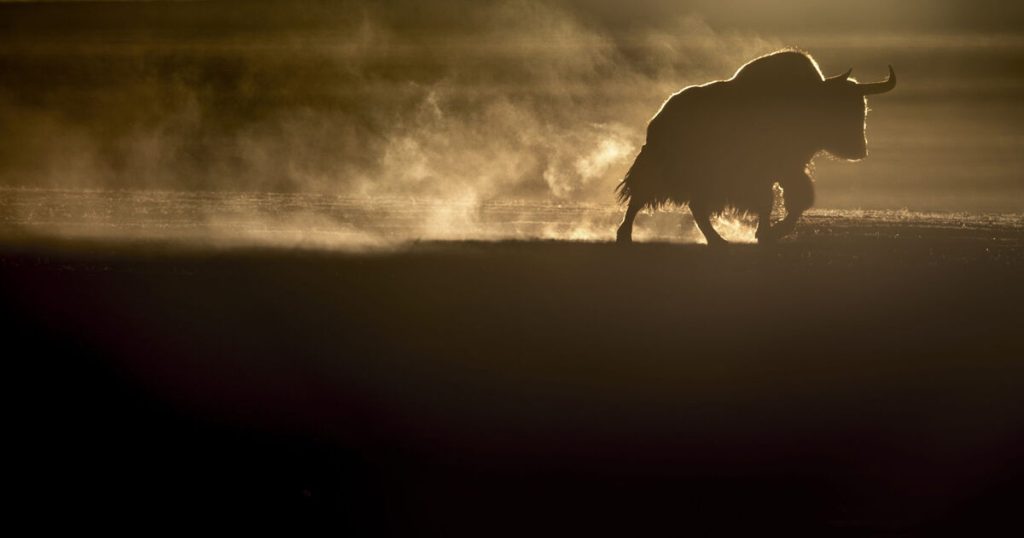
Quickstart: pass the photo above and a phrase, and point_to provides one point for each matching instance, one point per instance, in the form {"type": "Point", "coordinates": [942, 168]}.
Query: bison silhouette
{"type": "Point", "coordinates": [726, 143]}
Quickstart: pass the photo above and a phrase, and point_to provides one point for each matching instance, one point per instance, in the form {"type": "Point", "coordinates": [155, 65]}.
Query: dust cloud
{"type": "Point", "coordinates": [514, 101]}
{"type": "Point", "coordinates": [453, 109]}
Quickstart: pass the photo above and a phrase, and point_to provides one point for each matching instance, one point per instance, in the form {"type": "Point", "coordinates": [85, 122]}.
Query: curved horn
{"type": "Point", "coordinates": [879, 87]}
{"type": "Point", "coordinates": [844, 76]}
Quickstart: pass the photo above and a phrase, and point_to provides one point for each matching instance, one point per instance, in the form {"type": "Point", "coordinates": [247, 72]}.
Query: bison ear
{"type": "Point", "coordinates": [839, 78]}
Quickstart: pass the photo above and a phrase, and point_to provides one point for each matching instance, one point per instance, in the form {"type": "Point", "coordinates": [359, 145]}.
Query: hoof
{"type": "Point", "coordinates": [766, 238]}
{"type": "Point", "coordinates": [783, 228]}
{"type": "Point", "coordinates": [717, 243]}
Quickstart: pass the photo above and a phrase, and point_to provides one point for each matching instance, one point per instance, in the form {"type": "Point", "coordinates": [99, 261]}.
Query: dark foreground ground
{"type": "Point", "coordinates": [850, 384]}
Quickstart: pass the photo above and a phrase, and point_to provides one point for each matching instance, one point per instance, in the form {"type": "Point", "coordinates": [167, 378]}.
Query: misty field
{"type": "Point", "coordinates": [332, 359]}
{"type": "Point", "coordinates": [300, 220]}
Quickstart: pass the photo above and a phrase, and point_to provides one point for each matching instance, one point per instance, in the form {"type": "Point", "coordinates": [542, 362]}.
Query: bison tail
{"type": "Point", "coordinates": [625, 191]}
{"type": "Point", "coordinates": [622, 192]}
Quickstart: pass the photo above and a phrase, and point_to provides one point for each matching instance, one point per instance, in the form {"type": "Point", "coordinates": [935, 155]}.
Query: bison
{"type": "Point", "coordinates": [726, 143]}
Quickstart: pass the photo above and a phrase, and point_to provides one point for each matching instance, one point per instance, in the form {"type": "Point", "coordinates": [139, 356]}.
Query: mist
{"type": "Point", "coordinates": [467, 103]}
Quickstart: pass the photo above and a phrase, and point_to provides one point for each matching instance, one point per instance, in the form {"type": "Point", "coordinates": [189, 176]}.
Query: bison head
{"type": "Point", "coordinates": [845, 109]}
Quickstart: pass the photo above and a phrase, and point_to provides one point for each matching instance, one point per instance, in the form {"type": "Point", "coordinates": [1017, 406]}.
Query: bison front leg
{"type": "Point", "coordinates": [798, 192]}
{"type": "Point", "coordinates": [702, 216]}
{"type": "Point", "coordinates": [764, 218]}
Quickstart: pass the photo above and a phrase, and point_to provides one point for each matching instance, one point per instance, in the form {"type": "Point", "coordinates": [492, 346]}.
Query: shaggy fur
{"type": "Point", "coordinates": [725, 143]}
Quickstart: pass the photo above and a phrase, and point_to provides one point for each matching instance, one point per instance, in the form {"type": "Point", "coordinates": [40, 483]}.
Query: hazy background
{"type": "Point", "coordinates": [484, 101]}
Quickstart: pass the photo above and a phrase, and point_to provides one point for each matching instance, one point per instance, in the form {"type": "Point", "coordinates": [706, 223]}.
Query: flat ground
{"type": "Point", "coordinates": [863, 379]}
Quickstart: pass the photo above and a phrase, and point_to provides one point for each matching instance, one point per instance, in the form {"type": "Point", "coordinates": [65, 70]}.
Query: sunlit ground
{"type": "Point", "coordinates": [324, 221]}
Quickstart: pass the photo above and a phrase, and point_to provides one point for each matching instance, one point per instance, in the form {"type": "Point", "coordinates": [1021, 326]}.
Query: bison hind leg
{"type": "Point", "coordinates": [625, 232]}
